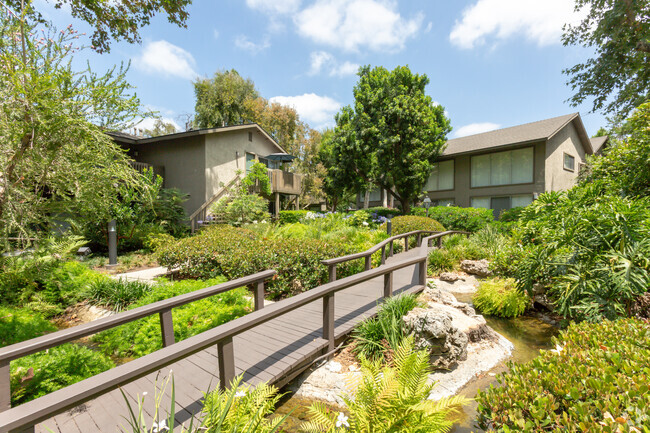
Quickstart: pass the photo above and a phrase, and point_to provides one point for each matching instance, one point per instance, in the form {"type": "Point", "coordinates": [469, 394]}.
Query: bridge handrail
{"type": "Point", "coordinates": [40, 409]}
{"type": "Point", "coordinates": [427, 240]}
{"type": "Point", "coordinates": [367, 254]}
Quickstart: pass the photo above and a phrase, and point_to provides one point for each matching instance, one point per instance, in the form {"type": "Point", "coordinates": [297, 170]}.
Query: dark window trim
{"type": "Point", "coordinates": [572, 170]}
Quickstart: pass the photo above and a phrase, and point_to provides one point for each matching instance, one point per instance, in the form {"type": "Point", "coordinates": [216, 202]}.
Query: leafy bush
{"type": "Point", "coordinates": [458, 218]}
{"type": "Point", "coordinates": [372, 337]}
{"type": "Point", "coordinates": [117, 294]}
{"type": "Point", "coordinates": [68, 283]}
{"type": "Point", "coordinates": [18, 325]}
{"type": "Point", "coordinates": [242, 208]}
{"type": "Point", "coordinates": [143, 336]}
{"type": "Point", "coordinates": [409, 223]}
{"type": "Point", "coordinates": [596, 380]}
{"type": "Point", "coordinates": [389, 399]}
{"type": "Point", "coordinates": [384, 211]}
{"type": "Point", "coordinates": [487, 243]}
{"type": "Point", "coordinates": [511, 215]}
{"type": "Point", "coordinates": [500, 297]}
{"type": "Point", "coordinates": [55, 369]}
{"type": "Point", "coordinates": [291, 216]}
{"type": "Point", "coordinates": [236, 252]}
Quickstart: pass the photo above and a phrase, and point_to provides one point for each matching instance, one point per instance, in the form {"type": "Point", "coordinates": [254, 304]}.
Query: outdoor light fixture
{"type": "Point", "coordinates": [112, 243]}
{"type": "Point", "coordinates": [427, 204]}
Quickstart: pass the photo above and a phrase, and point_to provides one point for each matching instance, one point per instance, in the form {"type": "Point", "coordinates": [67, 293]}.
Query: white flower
{"type": "Point", "coordinates": [144, 393]}
{"type": "Point", "coordinates": [557, 349]}
{"type": "Point", "coordinates": [159, 427]}
{"type": "Point", "coordinates": [342, 420]}
{"type": "Point", "coordinates": [254, 221]}
{"type": "Point", "coordinates": [240, 394]}
{"type": "Point", "coordinates": [365, 223]}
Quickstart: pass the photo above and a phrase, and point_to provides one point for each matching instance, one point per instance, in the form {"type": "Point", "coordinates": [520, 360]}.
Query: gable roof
{"type": "Point", "coordinates": [598, 143]}
{"type": "Point", "coordinates": [132, 139]}
{"type": "Point", "coordinates": [529, 132]}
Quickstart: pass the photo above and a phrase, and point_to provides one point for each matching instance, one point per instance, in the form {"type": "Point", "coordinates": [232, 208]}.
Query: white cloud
{"type": "Point", "coordinates": [274, 6]}
{"type": "Point", "coordinates": [475, 128]}
{"type": "Point", "coordinates": [161, 57]}
{"type": "Point", "coordinates": [322, 60]}
{"type": "Point", "coordinates": [317, 110]}
{"type": "Point", "coordinates": [244, 43]}
{"type": "Point", "coordinates": [538, 21]}
{"type": "Point", "coordinates": [355, 24]}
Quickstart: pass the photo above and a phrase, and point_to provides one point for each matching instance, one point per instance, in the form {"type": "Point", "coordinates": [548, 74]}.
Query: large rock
{"type": "Point", "coordinates": [433, 331]}
{"type": "Point", "coordinates": [476, 267]}
{"type": "Point", "coordinates": [436, 295]}
{"type": "Point", "coordinates": [449, 277]}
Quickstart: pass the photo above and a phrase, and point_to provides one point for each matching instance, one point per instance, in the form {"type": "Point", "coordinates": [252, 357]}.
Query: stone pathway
{"type": "Point", "coordinates": [145, 275]}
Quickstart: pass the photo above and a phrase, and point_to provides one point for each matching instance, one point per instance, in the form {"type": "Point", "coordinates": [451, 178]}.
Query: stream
{"type": "Point", "coordinates": [528, 334]}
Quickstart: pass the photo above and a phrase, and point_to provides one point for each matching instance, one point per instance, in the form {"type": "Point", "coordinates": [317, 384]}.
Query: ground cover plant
{"type": "Point", "coordinates": [409, 223]}
{"type": "Point", "coordinates": [595, 380]}
{"type": "Point", "coordinates": [20, 324]}
{"type": "Point", "coordinates": [143, 336]}
{"type": "Point", "coordinates": [458, 218]}
{"type": "Point", "coordinates": [116, 294]}
{"type": "Point", "coordinates": [500, 297]}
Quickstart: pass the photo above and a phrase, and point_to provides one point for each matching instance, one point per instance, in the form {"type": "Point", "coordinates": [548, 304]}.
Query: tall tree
{"type": "Point", "coordinates": [618, 77]}
{"type": "Point", "coordinates": [395, 133]}
{"type": "Point", "coordinates": [224, 99]}
{"type": "Point", "coordinates": [54, 155]}
{"type": "Point", "coordinates": [114, 19]}
{"type": "Point", "coordinates": [160, 127]}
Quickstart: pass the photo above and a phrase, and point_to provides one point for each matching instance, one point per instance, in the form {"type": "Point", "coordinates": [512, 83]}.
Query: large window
{"type": "Point", "coordinates": [442, 176]}
{"type": "Point", "coordinates": [503, 168]}
{"type": "Point", "coordinates": [500, 203]}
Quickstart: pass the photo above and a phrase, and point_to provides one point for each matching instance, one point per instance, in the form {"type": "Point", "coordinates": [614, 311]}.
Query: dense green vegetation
{"type": "Point", "coordinates": [410, 223]}
{"type": "Point", "coordinates": [458, 218]}
{"type": "Point", "coordinates": [20, 324]}
{"type": "Point", "coordinates": [500, 297]}
{"type": "Point", "coordinates": [596, 380]}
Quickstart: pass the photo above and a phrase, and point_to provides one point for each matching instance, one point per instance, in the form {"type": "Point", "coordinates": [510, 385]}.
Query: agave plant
{"type": "Point", "coordinates": [389, 399]}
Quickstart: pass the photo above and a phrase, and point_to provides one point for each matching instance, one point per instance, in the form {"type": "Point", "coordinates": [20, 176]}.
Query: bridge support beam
{"type": "Point", "coordinates": [388, 285]}
{"type": "Point", "coordinates": [259, 295]}
{"type": "Point", "coordinates": [328, 321]}
{"type": "Point", "coordinates": [167, 327]}
{"type": "Point", "coordinates": [5, 386]}
{"type": "Point", "coordinates": [226, 355]}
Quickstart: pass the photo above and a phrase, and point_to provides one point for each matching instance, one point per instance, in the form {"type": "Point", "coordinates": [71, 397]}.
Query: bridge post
{"type": "Point", "coordinates": [226, 355]}
{"type": "Point", "coordinates": [406, 243]}
{"type": "Point", "coordinates": [332, 272]}
{"type": "Point", "coordinates": [5, 386]}
{"type": "Point", "coordinates": [383, 255]}
{"type": "Point", "coordinates": [167, 327]}
{"type": "Point", "coordinates": [368, 262]}
{"type": "Point", "coordinates": [418, 240]}
{"type": "Point", "coordinates": [259, 295]}
{"type": "Point", "coordinates": [388, 285]}
{"type": "Point", "coordinates": [423, 272]}
{"type": "Point", "coordinates": [440, 242]}
{"type": "Point", "coordinates": [328, 320]}
{"type": "Point", "coordinates": [390, 250]}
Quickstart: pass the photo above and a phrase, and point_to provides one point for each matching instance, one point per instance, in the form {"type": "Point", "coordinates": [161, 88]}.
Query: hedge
{"type": "Point", "coordinates": [384, 211]}
{"type": "Point", "coordinates": [458, 218]}
{"type": "Point", "coordinates": [291, 216]}
{"type": "Point", "coordinates": [409, 223]}
{"type": "Point", "coordinates": [595, 380]}
{"type": "Point", "coordinates": [237, 252]}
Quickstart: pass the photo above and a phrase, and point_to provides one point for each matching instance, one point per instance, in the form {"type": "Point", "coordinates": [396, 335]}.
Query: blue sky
{"type": "Point", "coordinates": [492, 63]}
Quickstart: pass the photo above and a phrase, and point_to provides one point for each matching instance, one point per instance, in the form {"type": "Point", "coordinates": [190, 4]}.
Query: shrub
{"type": "Point", "coordinates": [68, 283]}
{"type": "Point", "coordinates": [358, 218]}
{"type": "Point", "coordinates": [409, 223]}
{"type": "Point", "coordinates": [117, 294]}
{"type": "Point", "coordinates": [487, 243]}
{"type": "Point", "coordinates": [291, 216]}
{"type": "Point", "coordinates": [55, 369]}
{"type": "Point", "coordinates": [500, 297]}
{"type": "Point", "coordinates": [458, 218]}
{"type": "Point", "coordinates": [596, 380]}
{"type": "Point", "coordinates": [242, 208]}
{"type": "Point", "coordinates": [236, 252]}
{"type": "Point", "coordinates": [18, 325]}
{"type": "Point", "coordinates": [511, 215]}
{"type": "Point", "coordinates": [385, 212]}
{"type": "Point", "coordinates": [389, 399]}
{"type": "Point", "coordinates": [143, 336]}
{"type": "Point", "coordinates": [372, 337]}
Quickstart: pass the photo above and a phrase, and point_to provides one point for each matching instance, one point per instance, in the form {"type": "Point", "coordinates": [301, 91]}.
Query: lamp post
{"type": "Point", "coordinates": [112, 243]}
{"type": "Point", "coordinates": [427, 204]}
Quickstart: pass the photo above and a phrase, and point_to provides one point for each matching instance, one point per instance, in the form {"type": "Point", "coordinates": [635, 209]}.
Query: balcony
{"type": "Point", "coordinates": [285, 182]}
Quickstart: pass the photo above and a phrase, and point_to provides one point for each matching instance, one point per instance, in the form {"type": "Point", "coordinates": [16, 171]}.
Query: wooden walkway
{"type": "Point", "coordinates": [275, 352]}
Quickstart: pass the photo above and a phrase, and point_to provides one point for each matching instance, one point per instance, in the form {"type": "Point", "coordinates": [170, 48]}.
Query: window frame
{"type": "Point", "coordinates": [490, 174]}
{"type": "Point", "coordinates": [453, 176]}
{"type": "Point", "coordinates": [573, 158]}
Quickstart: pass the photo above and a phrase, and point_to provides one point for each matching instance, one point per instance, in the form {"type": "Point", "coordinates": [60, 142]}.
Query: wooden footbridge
{"type": "Point", "coordinates": [273, 344]}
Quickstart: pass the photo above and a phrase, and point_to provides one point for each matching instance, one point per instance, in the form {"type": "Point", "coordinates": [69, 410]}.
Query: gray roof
{"type": "Point", "coordinates": [597, 143]}
{"type": "Point", "coordinates": [529, 132]}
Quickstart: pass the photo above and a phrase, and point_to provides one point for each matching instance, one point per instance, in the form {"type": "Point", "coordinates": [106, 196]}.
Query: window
{"type": "Point", "coordinates": [443, 202]}
{"type": "Point", "coordinates": [442, 176]}
{"type": "Point", "coordinates": [503, 168]}
{"type": "Point", "coordinates": [250, 136]}
{"type": "Point", "coordinates": [569, 162]}
{"type": "Point", "coordinates": [499, 203]}
{"type": "Point", "coordinates": [250, 160]}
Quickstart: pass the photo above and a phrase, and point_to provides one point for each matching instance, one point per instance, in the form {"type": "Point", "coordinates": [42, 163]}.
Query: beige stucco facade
{"type": "Point", "coordinates": [565, 141]}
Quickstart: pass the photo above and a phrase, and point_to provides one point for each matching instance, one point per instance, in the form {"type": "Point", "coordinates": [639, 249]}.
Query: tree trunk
{"type": "Point", "coordinates": [366, 199]}
{"type": "Point", "coordinates": [406, 206]}
{"type": "Point", "coordinates": [384, 194]}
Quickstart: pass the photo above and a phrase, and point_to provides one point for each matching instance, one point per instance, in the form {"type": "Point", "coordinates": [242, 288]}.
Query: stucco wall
{"type": "Point", "coordinates": [463, 192]}
{"type": "Point", "coordinates": [566, 140]}
{"type": "Point", "coordinates": [225, 153]}
{"type": "Point", "coordinates": [183, 160]}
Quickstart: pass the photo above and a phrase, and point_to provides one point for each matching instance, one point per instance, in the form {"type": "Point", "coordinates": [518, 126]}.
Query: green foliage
{"type": "Point", "coordinates": [458, 218]}
{"type": "Point", "coordinates": [617, 77]}
{"type": "Point", "coordinates": [389, 399]}
{"type": "Point", "coordinates": [242, 409]}
{"type": "Point", "coordinates": [242, 208]}
{"type": "Point", "coordinates": [510, 215]}
{"type": "Point", "coordinates": [55, 369]}
{"type": "Point", "coordinates": [410, 223]}
{"type": "Point", "coordinates": [500, 297]}
{"type": "Point", "coordinates": [488, 243]}
{"type": "Point", "coordinates": [359, 218]}
{"type": "Point", "coordinates": [258, 178]}
{"type": "Point", "coordinates": [590, 249]}
{"type": "Point", "coordinates": [55, 156]}
{"type": "Point", "coordinates": [69, 283]}
{"type": "Point", "coordinates": [625, 167]}
{"type": "Point", "coordinates": [291, 216]}
{"type": "Point", "coordinates": [116, 294]}
{"type": "Point", "coordinates": [223, 99]}
{"type": "Point", "coordinates": [18, 325]}
{"type": "Point", "coordinates": [236, 252]}
{"type": "Point", "coordinates": [373, 337]}
{"type": "Point", "coordinates": [141, 337]}
{"type": "Point", "coordinates": [384, 211]}
{"type": "Point", "coordinates": [596, 380]}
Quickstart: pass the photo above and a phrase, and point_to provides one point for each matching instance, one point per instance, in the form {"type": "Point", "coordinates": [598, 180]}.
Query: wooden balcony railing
{"type": "Point", "coordinates": [285, 182]}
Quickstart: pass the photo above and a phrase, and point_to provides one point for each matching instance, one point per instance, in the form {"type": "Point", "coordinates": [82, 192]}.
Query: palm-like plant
{"type": "Point", "coordinates": [389, 399]}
